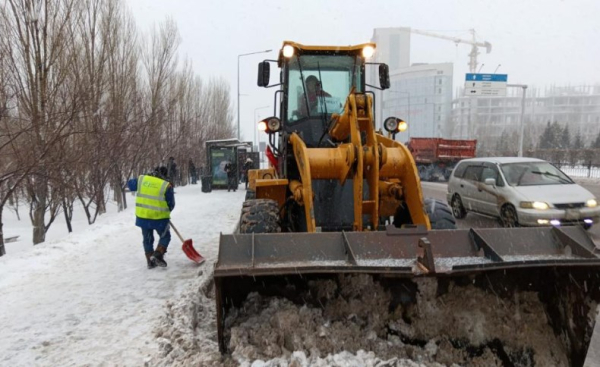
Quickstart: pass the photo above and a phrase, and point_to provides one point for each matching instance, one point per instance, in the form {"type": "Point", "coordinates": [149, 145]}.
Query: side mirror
{"type": "Point", "coordinates": [384, 76]}
{"type": "Point", "coordinates": [490, 181]}
{"type": "Point", "coordinates": [264, 73]}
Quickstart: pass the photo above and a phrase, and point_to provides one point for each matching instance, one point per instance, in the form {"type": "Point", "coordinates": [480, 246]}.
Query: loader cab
{"type": "Point", "coordinates": [315, 83]}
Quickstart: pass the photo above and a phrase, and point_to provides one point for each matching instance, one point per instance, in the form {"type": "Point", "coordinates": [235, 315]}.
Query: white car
{"type": "Point", "coordinates": [520, 191]}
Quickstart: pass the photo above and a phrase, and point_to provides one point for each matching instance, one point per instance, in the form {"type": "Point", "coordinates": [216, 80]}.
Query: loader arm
{"type": "Point", "coordinates": [368, 157]}
{"type": "Point", "coordinates": [399, 164]}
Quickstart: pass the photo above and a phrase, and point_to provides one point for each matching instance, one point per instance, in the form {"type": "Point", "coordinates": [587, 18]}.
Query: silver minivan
{"type": "Point", "coordinates": [520, 191]}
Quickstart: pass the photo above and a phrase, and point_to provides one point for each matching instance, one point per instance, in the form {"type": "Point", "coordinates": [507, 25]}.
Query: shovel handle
{"type": "Point", "coordinates": [176, 231]}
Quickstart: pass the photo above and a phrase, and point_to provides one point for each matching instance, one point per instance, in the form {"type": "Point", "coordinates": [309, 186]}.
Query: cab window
{"type": "Point", "coordinates": [320, 84]}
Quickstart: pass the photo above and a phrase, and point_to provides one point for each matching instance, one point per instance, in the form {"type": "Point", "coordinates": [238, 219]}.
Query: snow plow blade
{"type": "Point", "coordinates": [560, 265]}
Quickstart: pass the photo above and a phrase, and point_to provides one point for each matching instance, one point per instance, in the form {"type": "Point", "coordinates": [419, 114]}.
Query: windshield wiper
{"type": "Point", "coordinates": [562, 179]}
{"type": "Point", "coordinates": [303, 85]}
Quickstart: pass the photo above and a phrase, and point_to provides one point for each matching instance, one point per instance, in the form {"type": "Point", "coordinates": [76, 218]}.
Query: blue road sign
{"type": "Point", "coordinates": [486, 77]}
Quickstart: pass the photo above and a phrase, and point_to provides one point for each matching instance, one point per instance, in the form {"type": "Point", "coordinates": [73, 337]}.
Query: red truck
{"type": "Point", "coordinates": [436, 157]}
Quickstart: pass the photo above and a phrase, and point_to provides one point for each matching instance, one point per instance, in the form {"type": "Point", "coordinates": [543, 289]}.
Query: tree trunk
{"type": "Point", "coordinates": [67, 214]}
{"type": "Point", "coordinates": [119, 198]}
{"type": "Point", "coordinates": [124, 194]}
{"type": "Point", "coordinates": [2, 249]}
{"type": "Point", "coordinates": [101, 204]}
{"type": "Point", "coordinates": [39, 212]}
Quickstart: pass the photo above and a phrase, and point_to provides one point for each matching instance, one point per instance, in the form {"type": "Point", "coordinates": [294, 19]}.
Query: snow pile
{"type": "Point", "coordinates": [466, 326]}
{"type": "Point", "coordinates": [187, 333]}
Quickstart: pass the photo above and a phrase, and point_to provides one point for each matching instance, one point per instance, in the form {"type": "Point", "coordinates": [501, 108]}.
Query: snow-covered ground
{"type": "Point", "coordinates": [86, 298]}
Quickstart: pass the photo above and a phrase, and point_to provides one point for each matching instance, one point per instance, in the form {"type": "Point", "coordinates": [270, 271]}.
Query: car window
{"type": "Point", "coordinates": [473, 173]}
{"type": "Point", "coordinates": [491, 171]}
{"type": "Point", "coordinates": [534, 174]}
{"type": "Point", "coordinates": [460, 170]}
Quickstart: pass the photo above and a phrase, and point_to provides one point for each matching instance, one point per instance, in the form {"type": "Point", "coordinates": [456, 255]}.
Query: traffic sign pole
{"type": "Point", "coordinates": [522, 124]}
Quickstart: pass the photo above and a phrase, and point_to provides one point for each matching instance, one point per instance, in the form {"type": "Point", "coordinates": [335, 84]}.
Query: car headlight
{"type": "Point", "coordinates": [539, 205]}
{"type": "Point", "coordinates": [592, 203]}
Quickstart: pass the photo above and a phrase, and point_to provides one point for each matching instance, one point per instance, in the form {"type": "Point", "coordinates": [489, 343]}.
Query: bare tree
{"type": "Point", "coordinates": [85, 104]}
{"type": "Point", "coordinates": [36, 47]}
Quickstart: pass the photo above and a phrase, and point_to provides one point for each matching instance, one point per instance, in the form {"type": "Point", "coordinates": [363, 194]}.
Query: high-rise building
{"type": "Point", "coordinates": [393, 47]}
{"type": "Point", "coordinates": [420, 94]}
{"type": "Point", "coordinates": [578, 106]}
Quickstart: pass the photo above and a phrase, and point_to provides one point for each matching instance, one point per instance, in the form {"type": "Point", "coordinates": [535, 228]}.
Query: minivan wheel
{"type": "Point", "coordinates": [458, 210]}
{"type": "Point", "coordinates": [508, 217]}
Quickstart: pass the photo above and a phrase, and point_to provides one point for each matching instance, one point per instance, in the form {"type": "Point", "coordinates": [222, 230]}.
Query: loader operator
{"type": "Point", "coordinates": [154, 203]}
{"type": "Point", "coordinates": [313, 93]}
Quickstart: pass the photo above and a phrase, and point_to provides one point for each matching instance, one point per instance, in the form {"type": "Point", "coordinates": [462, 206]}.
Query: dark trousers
{"type": "Point", "coordinates": [231, 183]}
{"type": "Point", "coordinates": [148, 235]}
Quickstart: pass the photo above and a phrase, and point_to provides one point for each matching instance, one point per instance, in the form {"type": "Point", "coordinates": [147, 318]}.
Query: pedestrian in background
{"type": "Point", "coordinates": [193, 173]}
{"type": "Point", "coordinates": [247, 167]}
{"type": "Point", "coordinates": [230, 169]}
{"type": "Point", "coordinates": [171, 171]}
{"type": "Point", "coordinates": [154, 203]}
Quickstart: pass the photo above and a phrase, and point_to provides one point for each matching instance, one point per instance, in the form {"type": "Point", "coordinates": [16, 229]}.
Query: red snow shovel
{"type": "Point", "coordinates": [188, 248]}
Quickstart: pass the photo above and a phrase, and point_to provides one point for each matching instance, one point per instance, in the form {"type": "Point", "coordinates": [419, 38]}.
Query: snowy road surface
{"type": "Point", "coordinates": [88, 299]}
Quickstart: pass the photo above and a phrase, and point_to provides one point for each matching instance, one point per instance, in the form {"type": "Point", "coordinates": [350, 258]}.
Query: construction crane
{"type": "Point", "coordinates": [474, 45]}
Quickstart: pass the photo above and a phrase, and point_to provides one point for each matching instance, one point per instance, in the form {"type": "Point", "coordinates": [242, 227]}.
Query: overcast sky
{"type": "Point", "coordinates": [540, 43]}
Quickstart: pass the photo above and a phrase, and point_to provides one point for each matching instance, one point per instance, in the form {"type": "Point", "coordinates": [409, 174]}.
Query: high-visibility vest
{"type": "Point", "coordinates": [150, 202]}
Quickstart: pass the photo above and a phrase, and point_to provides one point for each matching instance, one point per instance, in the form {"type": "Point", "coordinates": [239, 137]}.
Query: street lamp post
{"type": "Point", "coordinates": [238, 87]}
{"type": "Point", "coordinates": [255, 126]}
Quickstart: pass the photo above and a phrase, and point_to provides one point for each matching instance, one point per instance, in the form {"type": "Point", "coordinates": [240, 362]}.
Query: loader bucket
{"type": "Point", "coordinates": [510, 268]}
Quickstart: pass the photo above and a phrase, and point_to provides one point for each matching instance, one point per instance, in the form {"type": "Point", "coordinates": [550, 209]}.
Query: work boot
{"type": "Point", "coordinates": [159, 256]}
{"type": "Point", "coordinates": [150, 260]}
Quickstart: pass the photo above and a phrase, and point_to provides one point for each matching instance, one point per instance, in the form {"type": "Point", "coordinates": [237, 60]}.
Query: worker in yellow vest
{"type": "Point", "coordinates": [154, 202]}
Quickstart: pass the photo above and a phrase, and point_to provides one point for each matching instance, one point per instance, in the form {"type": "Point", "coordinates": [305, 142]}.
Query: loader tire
{"type": "Point", "coordinates": [440, 215]}
{"type": "Point", "coordinates": [260, 216]}
{"type": "Point", "coordinates": [250, 194]}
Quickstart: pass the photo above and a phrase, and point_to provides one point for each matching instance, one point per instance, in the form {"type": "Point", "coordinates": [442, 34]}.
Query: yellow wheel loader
{"type": "Point", "coordinates": [341, 199]}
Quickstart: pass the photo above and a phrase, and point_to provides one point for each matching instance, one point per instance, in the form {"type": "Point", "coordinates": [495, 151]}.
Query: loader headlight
{"type": "Point", "coordinates": [273, 124]}
{"type": "Point", "coordinates": [394, 125]}
{"type": "Point", "coordinates": [368, 51]}
{"type": "Point", "coordinates": [592, 203]}
{"type": "Point", "coordinates": [270, 125]}
{"type": "Point", "coordinates": [288, 51]}
{"type": "Point", "coordinates": [539, 205]}
{"type": "Point", "coordinates": [391, 124]}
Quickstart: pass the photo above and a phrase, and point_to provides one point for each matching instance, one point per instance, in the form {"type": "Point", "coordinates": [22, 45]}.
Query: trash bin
{"type": "Point", "coordinates": [206, 183]}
